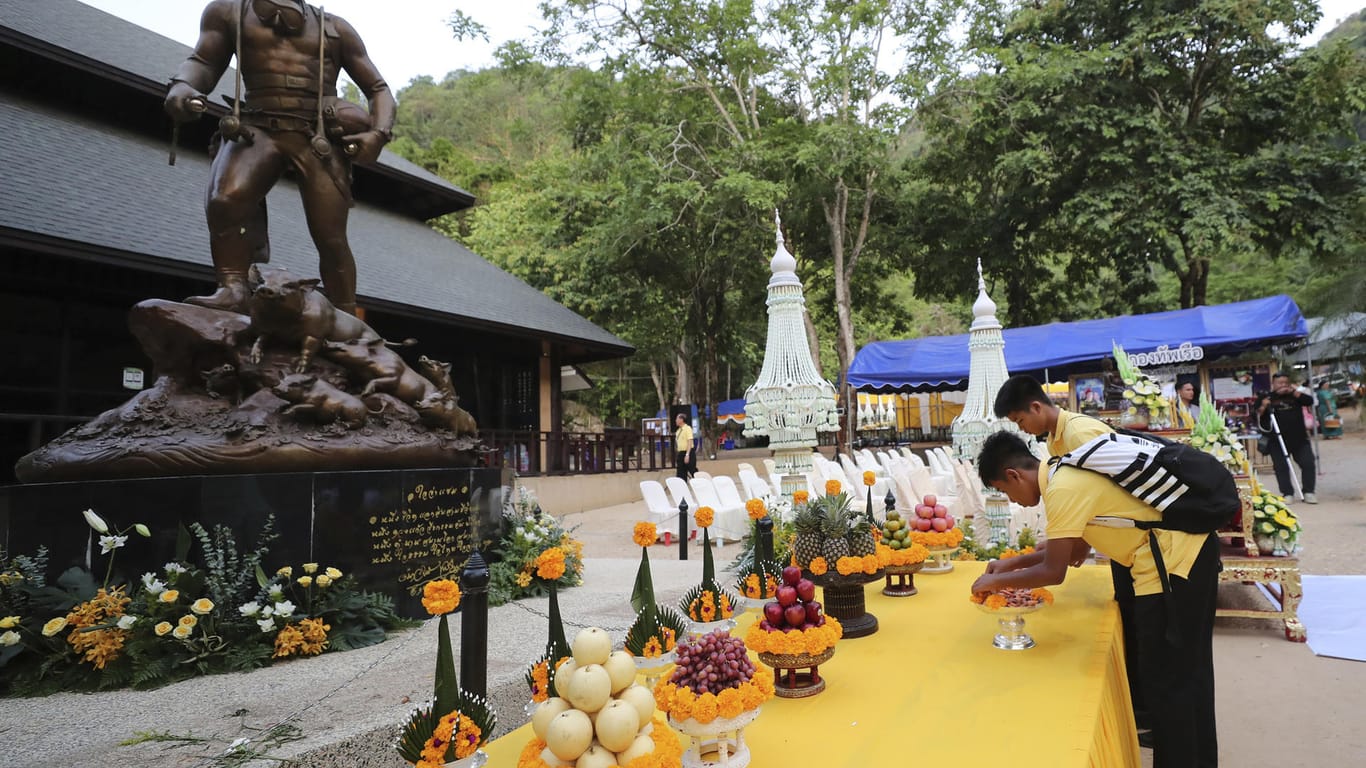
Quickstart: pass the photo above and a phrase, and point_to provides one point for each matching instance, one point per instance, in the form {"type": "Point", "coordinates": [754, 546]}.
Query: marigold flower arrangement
{"type": "Point", "coordinates": [708, 601]}
{"type": "Point", "coordinates": [755, 509]}
{"type": "Point", "coordinates": [847, 566]}
{"type": "Point", "coordinates": [758, 580]}
{"type": "Point", "coordinates": [704, 517]}
{"type": "Point", "coordinates": [938, 539]}
{"type": "Point", "coordinates": [810, 641]}
{"type": "Point", "coordinates": [915, 553]}
{"type": "Point", "coordinates": [1013, 598]}
{"type": "Point", "coordinates": [832, 487]}
{"type": "Point", "coordinates": [656, 628]}
{"type": "Point", "coordinates": [869, 478]}
{"type": "Point", "coordinates": [175, 622]}
{"type": "Point", "coordinates": [667, 753]}
{"type": "Point", "coordinates": [800, 497]}
{"type": "Point", "coordinates": [691, 693]}
{"type": "Point", "coordinates": [455, 723]}
{"type": "Point", "coordinates": [817, 565]}
{"type": "Point", "coordinates": [528, 532]}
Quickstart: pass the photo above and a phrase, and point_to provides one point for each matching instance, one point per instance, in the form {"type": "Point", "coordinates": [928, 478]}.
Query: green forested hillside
{"type": "Point", "coordinates": [1097, 158]}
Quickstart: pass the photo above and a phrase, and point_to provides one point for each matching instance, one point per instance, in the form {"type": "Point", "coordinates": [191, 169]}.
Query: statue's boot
{"type": "Point", "coordinates": [232, 294]}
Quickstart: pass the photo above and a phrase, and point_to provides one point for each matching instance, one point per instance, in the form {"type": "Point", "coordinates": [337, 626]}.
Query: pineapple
{"type": "Point", "coordinates": [861, 539]}
{"type": "Point", "coordinates": [808, 526]}
{"type": "Point", "coordinates": [836, 539]}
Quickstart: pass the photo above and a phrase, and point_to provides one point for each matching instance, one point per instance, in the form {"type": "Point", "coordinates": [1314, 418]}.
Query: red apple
{"type": "Point", "coordinates": [813, 611]}
{"type": "Point", "coordinates": [773, 614]}
{"type": "Point", "coordinates": [922, 524]}
{"type": "Point", "coordinates": [795, 615]}
{"type": "Point", "coordinates": [791, 575]}
{"type": "Point", "coordinates": [787, 595]}
{"type": "Point", "coordinates": [806, 590]}
{"type": "Point", "coordinates": [940, 524]}
{"type": "Point", "coordinates": [940, 510]}
{"type": "Point", "coordinates": [931, 499]}
{"type": "Point", "coordinates": [950, 519]}
{"type": "Point", "coordinates": [922, 510]}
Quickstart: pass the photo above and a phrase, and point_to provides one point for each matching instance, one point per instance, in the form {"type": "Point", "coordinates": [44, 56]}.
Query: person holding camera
{"type": "Point", "coordinates": [1286, 404]}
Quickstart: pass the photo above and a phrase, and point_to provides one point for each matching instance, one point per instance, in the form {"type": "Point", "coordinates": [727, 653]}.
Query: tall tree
{"type": "Point", "coordinates": [1099, 143]}
{"type": "Point", "coordinates": [809, 96]}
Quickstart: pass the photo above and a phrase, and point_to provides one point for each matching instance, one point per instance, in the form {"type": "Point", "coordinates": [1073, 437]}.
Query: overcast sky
{"type": "Point", "coordinates": [415, 40]}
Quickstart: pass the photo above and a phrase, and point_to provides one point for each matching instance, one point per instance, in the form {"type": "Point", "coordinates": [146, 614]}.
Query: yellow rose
{"type": "Point", "coordinates": [169, 596]}
{"type": "Point", "coordinates": [202, 606]}
{"type": "Point", "coordinates": [324, 580]}
{"type": "Point", "coordinates": [285, 571]}
{"type": "Point", "coordinates": [188, 621]}
{"type": "Point", "coordinates": [310, 567]}
{"type": "Point", "coordinates": [9, 622]}
{"type": "Point", "coordinates": [53, 627]}
{"type": "Point", "coordinates": [182, 631]}
{"type": "Point", "coordinates": [163, 628]}
{"type": "Point", "coordinates": [333, 574]}
{"type": "Point", "coordinates": [305, 581]}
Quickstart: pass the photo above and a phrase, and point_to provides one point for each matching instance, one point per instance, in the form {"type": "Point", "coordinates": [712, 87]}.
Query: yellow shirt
{"type": "Point", "coordinates": [683, 438]}
{"type": "Point", "coordinates": [1073, 431]}
{"type": "Point", "coordinates": [1075, 496]}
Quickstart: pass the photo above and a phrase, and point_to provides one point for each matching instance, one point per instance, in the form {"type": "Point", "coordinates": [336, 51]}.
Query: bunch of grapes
{"type": "Point", "coordinates": [712, 663]}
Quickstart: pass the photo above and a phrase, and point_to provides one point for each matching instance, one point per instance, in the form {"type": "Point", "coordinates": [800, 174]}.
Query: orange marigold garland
{"type": "Point", "coordinates": [680, 703]}
{"type": "Point", "coordinates": [938, 539]}
{"type": "Point", "coordinates": [644, 534]}
{"type": "Point", "coordinates": [818, 566]}
{"type": "Point", "coordinates": [806, 641]}
{"type": "Point", "coordinates": [668, 751]}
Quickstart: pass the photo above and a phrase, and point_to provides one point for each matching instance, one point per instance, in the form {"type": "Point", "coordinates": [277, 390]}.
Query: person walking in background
{"type": "Point", "coordinates": [1187, 411]}
{"type": "Point", "coordinates": [683, 443]}
{"type": "Point", "coordinates": [1330, 423]}
{"type": "Point", "coordinates": [1285, 405]}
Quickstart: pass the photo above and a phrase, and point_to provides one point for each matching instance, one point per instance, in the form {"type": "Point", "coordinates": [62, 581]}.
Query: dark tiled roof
{"type": "Point", "coordinates": [120, 50]}
{"type": "Point", "coordinates": [74, 179]}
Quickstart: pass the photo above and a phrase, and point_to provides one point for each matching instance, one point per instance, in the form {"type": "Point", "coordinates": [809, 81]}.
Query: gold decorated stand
{"type": "Point", "coordinates": [1244, 564]}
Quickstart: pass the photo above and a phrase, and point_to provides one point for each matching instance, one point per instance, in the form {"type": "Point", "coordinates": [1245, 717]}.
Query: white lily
{"type": "Point", "coordinates": [110, 543]}
{"type": "Point", "coordinates": [95, 521]}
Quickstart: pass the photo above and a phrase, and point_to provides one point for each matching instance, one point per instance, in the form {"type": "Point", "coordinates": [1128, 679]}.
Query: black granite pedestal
{"type": "Point", "coordinates": [394, 530]}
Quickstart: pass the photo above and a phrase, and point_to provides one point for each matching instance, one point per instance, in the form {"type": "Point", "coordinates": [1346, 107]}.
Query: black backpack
{"type": "Point", "coordinates": [1193, 490]}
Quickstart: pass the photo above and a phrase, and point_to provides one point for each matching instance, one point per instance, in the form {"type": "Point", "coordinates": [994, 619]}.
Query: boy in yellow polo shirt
{"type": "Point", "coordinates": [1175, 629]}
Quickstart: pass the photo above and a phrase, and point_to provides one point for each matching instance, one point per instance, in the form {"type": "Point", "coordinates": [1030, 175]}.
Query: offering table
{"type": "Point", "coordinates": [929, 689]}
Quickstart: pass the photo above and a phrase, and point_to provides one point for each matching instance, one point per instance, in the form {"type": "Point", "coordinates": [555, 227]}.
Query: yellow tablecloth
{"type": "Point", "coordinates": [929, 688]}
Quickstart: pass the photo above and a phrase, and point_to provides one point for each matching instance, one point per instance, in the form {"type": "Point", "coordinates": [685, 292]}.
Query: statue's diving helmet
{"type": "Point", "coordinates": [280, 15]}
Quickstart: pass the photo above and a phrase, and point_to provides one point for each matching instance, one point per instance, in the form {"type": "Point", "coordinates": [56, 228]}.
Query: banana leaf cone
{"type": "Point", "coordinates": [708, 565]}
{"type": "Point", "coordinates": [447, 693]}
{"type": "Point", "coordinates": [557, 647]}
{"type": "Point", "coordinates": [643, 593]}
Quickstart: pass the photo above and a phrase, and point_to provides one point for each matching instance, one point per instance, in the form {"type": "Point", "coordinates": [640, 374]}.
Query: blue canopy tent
{"type": "Point", "coordinates": [726, 410]}
{"type": "Point", "coordinates": [1060, 349]}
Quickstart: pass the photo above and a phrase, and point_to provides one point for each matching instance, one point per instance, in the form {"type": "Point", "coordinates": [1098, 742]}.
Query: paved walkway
{"type": "Point", "coordinates": [1278, 703]}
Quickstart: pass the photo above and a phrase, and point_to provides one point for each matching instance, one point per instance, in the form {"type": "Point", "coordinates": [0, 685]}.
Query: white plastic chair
{"type": "Point", "coordinates": [703, 475]}
{"type": "Point", "coordinates": [744, 465]}
{"type": "Point", "coordinates": [730, 521]}
{"type": "Point", "coordinates": [729, 493]}
{"type": "Point", "coordinates": [754, 487]}
{"type": "Point", "coordinates": [912, 457]}
{"type": "Point", "coordinates": [658, 510]}
{"type": "Point", "coordinates": [679, 492]}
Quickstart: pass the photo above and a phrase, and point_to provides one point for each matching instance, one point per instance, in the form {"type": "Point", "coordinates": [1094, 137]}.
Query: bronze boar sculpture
{"type": "Point", "coordinates": [294, 385]}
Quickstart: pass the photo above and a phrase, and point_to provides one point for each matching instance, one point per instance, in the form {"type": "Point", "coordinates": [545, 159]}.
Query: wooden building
{"type": "Point", "coordinates": [93, 219]}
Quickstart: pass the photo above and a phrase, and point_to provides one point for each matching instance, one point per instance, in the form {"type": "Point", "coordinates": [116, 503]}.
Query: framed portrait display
{"type": "Point", "coordinates": [1088, 393]}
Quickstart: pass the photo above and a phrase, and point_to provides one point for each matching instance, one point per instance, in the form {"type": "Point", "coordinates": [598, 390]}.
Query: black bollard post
{"type": "Point", "coordinates": [474, 625]}
{"type": "Point", "coordinates": [683, 530]}
{"type": "Point", "coordinates": [763, 548]}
